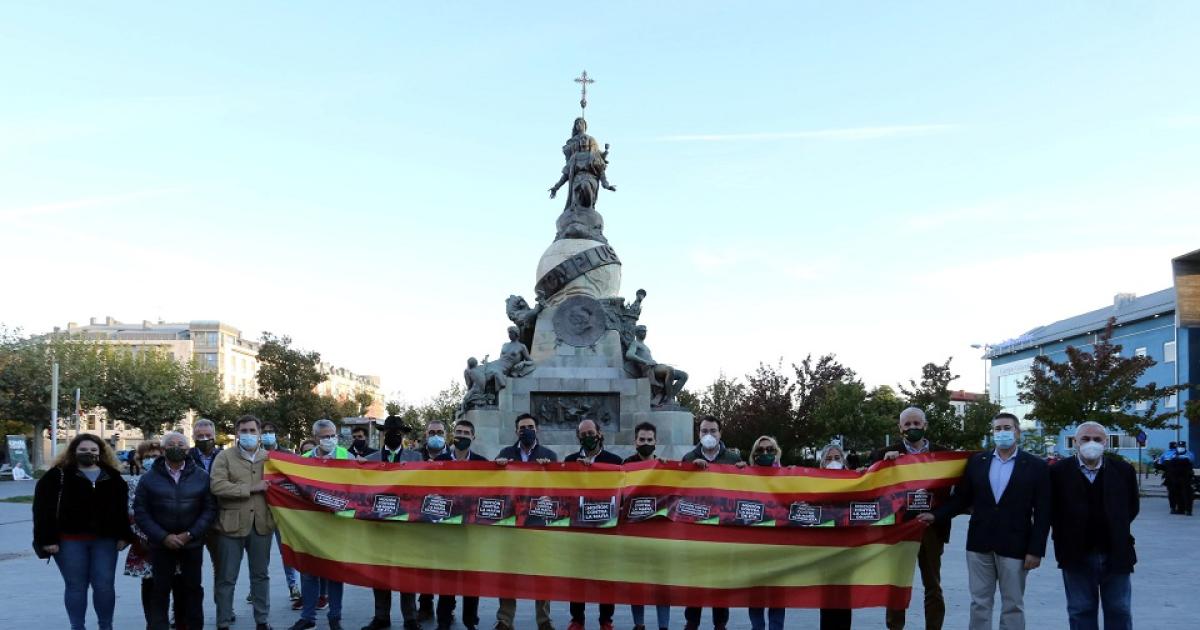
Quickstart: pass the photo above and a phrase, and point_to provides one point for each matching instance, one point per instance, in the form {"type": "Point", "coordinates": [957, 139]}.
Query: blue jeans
{"type": "Point", "coordinates": [312, 587]}
{"type": "Point", "coordinates": [289, 573]}
{"type": "Point", "coordinates": [85, 563]}
{"type": "Point", "coordinates": [639, 615]}
{"type": "Point", "coordinates": [774, 616]}
{"type": "Point", "coordinates": [1091, 586]}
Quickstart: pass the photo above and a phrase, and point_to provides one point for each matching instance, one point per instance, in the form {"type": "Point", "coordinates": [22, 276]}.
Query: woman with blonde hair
{"type": "Point", "coordinates": [81, 519]}
{"type": "Point", "coordinates": [833, 457]}
{"type": "Point", "coordinates": [766, 453]}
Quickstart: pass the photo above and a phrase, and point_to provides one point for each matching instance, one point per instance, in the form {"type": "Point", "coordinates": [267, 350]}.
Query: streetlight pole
{"type": "Point", "coordinates": [54, 412]}
{"type": "Point", "coordinates": [986, 386]}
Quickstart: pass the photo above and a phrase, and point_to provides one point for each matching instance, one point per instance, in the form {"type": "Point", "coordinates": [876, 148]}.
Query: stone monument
{"type": "Point", "coordinates": [580, 351]}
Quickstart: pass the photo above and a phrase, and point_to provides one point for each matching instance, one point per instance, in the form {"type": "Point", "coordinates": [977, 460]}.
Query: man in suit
{"type": "Point", "coordinates": [527, 449]}
{"type": "Point", "coordinates": [459, 450]}
{"type": "Point", "coordinates": [1095, 501]}
{"type": "Point", "coordinates": [912, 426]}
{"type": "Point", "coordinates": [591, 451]}
{"type": "Point", "coordinates": [392, 451]}
{"type": "Point", "coordinates": [1008, 493]}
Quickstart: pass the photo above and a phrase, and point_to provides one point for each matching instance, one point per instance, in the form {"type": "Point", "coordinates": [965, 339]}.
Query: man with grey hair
{"type": "Point", "coordinates": [174, 509]}
{"type": "Point", "coordinates": [311, 586]}
{"type": "Point", "coordinates": [1095, 501]}
{"type": "Point", "coordinates": [913, 426]}
{"type": "Point", "coordinates": [203, 454]}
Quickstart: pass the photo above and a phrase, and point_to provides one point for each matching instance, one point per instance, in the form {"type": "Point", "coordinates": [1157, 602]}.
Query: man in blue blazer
{"type": "Point", "coordinates": [1008, 494]}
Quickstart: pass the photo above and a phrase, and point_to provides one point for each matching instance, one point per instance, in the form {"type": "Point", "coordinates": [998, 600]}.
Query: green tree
{"type": "Point", "coordinates": [719, 399]}
{"type": "Point", "coordinates": [442, 406]}
{"type": "Point", "coordinates": [394, 407]}
{"type": "Point", "coordinates": [976, 426]}
{"type": "Point", "coordinates": [25, 380]}
{"type": "Point", "coordinates": [149, 389]}
{"type": "Point", "coordinates": [286, 379]}
{"type": "Point", "coordinates": [859, 417]}
{"type": "Point", "coordinates": [1100, 386]}
{"type": "Point", "coordinates": [764, 408]}
{"type": "Point", "coordinates": [932, 394]}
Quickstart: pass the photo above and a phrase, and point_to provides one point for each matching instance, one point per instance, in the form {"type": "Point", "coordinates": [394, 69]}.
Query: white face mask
{"type": "Point", "coordinates": [1091, 451]}
{"type": "Point", "coordinates": [835, 464]}
{"type": "Point", "coordinates": [708, 441]}
{"type": "Point", "coordinates": [328, 444]}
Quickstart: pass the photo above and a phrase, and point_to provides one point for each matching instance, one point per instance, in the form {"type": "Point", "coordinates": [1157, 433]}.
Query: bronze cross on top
{"type": "Point", "coordinates": [583, 80]}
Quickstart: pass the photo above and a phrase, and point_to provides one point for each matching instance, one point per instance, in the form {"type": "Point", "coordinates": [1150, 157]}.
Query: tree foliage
{"type": "Point", "coordinates": [287, 378]}
{"type": "Point", "coordinates": [1100, 385]}
{"type": "Point", "coordinates": [149, 389]}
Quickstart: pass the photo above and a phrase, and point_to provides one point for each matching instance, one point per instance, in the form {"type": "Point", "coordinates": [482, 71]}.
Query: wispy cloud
{"type": "Point", "coordinates": [98, 201]}
{"type": "Point", "coordinates": [845, 133]}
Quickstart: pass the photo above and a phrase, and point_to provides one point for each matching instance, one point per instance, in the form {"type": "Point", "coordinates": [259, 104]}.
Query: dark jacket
{"type": "Point", "coordinates": [1070, 516]}
{"type": "Point", "coordinates": [539, 452]}
{"type": "Point", "coordinates": [196, 458]}
{"type": "Point", "coordinates": [406, 455]}
{"type": "Point", "coordinates": [635, 458]}
{"type": "Point", "coordinates": [724, 455]}
{"type": "Point", "coordinates": [85, 509]}
{"type": "Point", "coordinates": [162, 507]}
{"type": "Point", "coordinates": [472, 456]}
{"type": "Point", "coordinates": [603, 457]}
{"type": "Point", "coordinates": [942, 527]}
{"type": "Point", "coordinates": [1015, 526]}
{"type": "Point", "coordinates": [367, 451]}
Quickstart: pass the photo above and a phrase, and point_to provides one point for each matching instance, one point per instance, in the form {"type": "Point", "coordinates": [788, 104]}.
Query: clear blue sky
{"type": "Point", "coordinates": [890, 183]}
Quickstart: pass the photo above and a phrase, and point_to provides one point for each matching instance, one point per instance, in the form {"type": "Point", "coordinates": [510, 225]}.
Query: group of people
{"type": "Point", "coordinates": [1177, 467]}
{"type": "Point", "coordinates": [205, 497]}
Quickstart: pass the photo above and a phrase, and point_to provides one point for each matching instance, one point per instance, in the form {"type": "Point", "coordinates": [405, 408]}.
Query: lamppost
{"type": "Point", "coordinates": [986, 386]}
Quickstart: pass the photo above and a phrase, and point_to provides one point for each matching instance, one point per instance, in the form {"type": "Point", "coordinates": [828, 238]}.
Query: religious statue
{"type": "Point", "coordinates": [586, 172]}
{"type": "Point", "coordinates": [519, 313]}
{"type": "Point", "coordinates": [514, 355]}
{"type": "Point", "coordinates": [665, 381]}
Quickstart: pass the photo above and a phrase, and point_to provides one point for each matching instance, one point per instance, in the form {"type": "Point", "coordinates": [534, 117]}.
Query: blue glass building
{"type": "Point", "coordinates": [1164, 326]}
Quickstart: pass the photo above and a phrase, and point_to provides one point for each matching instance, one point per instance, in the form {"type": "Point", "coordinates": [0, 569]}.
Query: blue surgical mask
{"type": "Point", "coordinates": [248, 441]}
{"type": "Point", "coordinates": [147, 463]}
{"type": "Point", "coordinates": [1004, 439]}
{"type": "Point", "coordinates": [268, 440]}
{"type": "Point", "coordinates": [436, 442]}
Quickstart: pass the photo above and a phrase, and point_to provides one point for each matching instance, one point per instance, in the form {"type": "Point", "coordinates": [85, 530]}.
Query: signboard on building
{"type": "Point", "coordinates": [18, 458]}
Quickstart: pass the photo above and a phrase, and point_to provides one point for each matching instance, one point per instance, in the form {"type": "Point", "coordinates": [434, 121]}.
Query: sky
{"type": "Point", "coordinates": [890, 183]}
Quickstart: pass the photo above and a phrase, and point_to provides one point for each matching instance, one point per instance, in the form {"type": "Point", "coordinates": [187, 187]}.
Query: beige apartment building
{"type": "Point", "coordinates": [213, 345]}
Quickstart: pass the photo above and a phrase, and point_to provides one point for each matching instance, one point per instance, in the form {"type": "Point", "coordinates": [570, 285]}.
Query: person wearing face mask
{"type": "Point", "coordinates": [81, 520]}
{"type": "Point", "coordinates": [173, 508]}
{"type": "Point", "coordinates": [204, 453]}
{"type": "Point", "coordinates": [1095, 499]}
{"type": "Point", "coordinates": [435, 445]}
{"type": "Point", "coordinates": [765, 454]}
{"type": "Point", "coordinates": [913, 441]}
{"type": "Point", "coordinates": [137, 560]}
{"type": "Point", "coordinates": [270, 442]}
{"type": "Point", "coordinates": [459, 451]}
{"type": "Point", "coordinates": [710, 450]}
{"type": "Point", "coordinates": [1007, 492]}
{"type": "Point", "coordinates": [1177, 476]}
{"type": "Point", "coordinates": [244, 522]}
{"type": "Point", "coordinates": [832, 457]}
{"type": "Point", "coordinates": [392, 451]}
{"type": "Point", "coordinates": [645, 441]}
{"type": "Point", "coordinates": [591, 451]}
{"type": "Point", "coordinates": [527, 449]}
{"type": "Point", "coordinates": [358, 443]}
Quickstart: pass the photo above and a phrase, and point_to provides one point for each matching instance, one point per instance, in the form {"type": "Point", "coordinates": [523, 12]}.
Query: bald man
{"type": "Point", "coordinates": [912, 426]}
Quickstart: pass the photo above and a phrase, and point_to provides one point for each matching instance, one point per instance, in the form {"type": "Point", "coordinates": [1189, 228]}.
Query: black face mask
{"type": "Point", "coordinates": [393, 439]}
{"type": "Point", "coordinates": [589, 442]}
{"type": "Point", "coordinates": [359, 445]}
{"type": "Point", "coordinates": [86, 459]}
{"type": "Point", "coordinates": [645, 450]}
{"type": "Point", "coordinates": [462, 443]}
{"type": "Point", "coordinates": [914, 435]}
{"type": "Point", "coordinates": [528, 437]}
{"type": "Point", "coordinates": [175, 454]}
{"type": "Point", "coordinates": [205, 445]}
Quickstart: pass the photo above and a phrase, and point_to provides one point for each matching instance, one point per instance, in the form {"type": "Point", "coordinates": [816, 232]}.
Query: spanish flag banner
{"type": "Point", "coordinates": [649, 533]}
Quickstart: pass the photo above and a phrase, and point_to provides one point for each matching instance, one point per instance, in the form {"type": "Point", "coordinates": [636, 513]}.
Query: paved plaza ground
{"type": "Point", "coordinates": [1164, 586]}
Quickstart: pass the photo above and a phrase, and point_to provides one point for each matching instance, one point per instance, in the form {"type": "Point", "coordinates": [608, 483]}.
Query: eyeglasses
{"type": "Point", "coordinates": [770, 450]}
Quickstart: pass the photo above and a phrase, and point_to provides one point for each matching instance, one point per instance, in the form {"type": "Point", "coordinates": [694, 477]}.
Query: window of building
{"type": "Point", "coordinates": [1140, 352]}
{"type": "Point", "coordinates": [1169, 352]}
{"type": "Point", "coordinates": [1172, 401]}
{"type": "Point", "coordinates": [208, 360]}
{"type": "Point", "coordinates": [1125, 441]}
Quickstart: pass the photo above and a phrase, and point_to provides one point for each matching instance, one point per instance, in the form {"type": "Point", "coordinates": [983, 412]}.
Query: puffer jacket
{"type": "Point", "coordinates": [161, 506]}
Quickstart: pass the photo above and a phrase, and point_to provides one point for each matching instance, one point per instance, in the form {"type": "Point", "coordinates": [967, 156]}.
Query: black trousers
{"type": "Point", "coordinates": [176, 594]}
{"type": "Point", "coordinates": [579, 611]}
{"type": "Point", "coordinates": [692, 617]}
{"type": "Point", "coordinates": [1179, 493]}
{"type": "Point", "coordinates": [189, 595]}
{"type": "Point", "coordinates": [383, 605]}
{"type": "Point", "coordinates": [445, 611]}
{"type": "Point", "coordinates": [835, 619]}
